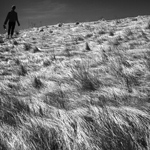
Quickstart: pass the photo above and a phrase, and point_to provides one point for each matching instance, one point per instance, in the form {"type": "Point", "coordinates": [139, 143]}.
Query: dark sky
{"type": "Point", "coordinates": [47, 12]}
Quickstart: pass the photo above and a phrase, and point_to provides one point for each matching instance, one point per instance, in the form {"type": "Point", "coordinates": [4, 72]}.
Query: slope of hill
{"type": "Point", "coordinates": [76, 86]}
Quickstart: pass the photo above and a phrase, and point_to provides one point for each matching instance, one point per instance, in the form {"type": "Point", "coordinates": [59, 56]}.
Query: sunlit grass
{"type": "Point", "coordinates": [82, 91]}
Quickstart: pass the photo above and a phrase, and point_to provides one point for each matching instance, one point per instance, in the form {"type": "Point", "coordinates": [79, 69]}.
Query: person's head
{"type": "Point", "coordinates": [13, 7]}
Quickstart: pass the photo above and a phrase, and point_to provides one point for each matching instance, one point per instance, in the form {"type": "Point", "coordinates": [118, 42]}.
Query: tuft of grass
{"type": "Point", "coordinates": [111, 33]}
{"type": "Point", "coordinates": [37, 83]}
{"type": "Point", "coordinates": [15, 42]}
{"type": "Point", "coordinates": [77, 23]}
{"type": "Point", "coordinates": [22, 70]}
{"type": "Point", "coordinates": [128, 32]}
{"type": "Point", "coordinates": [1, 40]}
{"type": "Point", "coordinates": [105, 57]}
{"type": "Point", "coordinates": [50, 31]}
{"type": "Point", "coordinates": [53, 58]}
{"type": "Point", "coordinates": [7, 49]}
{"type": "Point", "coordinates": [148, 25]}
{"type": "Point", "coordinates": [101, 32]}
{"type": "Point", "coordinates": [17, 61]}
{"type": "Point", "coordinates": [68, 50]}
{"type": "Point", "coordinates": [33, 38]}
{"type": "Point", "coordinates": [87, 47]}
{"type": "Point", "coordinates": [114, 42]}
{"type": "Point", "coordinates": [134, 19]}
{"type": "Point", "coordinates": [41, 30]}
{"type": "Point", "coordinates": [27, 46]}
{"type": "Point", "coordinates": [79, 39]}
{"type": "Point", "coordinates": [85, 79]}
{"type": "Point", "coordinates": [118, 21]}
{"type": "Point", "coordinates": [17, 33]}
{"type": "Point", "coordinates": [46, 63]}
{"type": "Point", "coordinates": [60, 24]}
{"type": "Point", "coordinates": [36, 49]}
{"type": "Point", "coordinates": [89, 35]}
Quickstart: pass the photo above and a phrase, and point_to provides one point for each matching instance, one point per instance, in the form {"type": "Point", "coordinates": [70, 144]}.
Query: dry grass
{"type": "Point", "coordinates": [73, 94]}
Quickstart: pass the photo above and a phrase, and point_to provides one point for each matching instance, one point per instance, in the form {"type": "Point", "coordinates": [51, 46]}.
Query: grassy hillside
{"type": "Point", "coordinates": [76, 86]}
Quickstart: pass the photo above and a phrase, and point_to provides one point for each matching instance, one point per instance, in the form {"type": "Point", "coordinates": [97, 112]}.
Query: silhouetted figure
{"type": "Point", "coordinates": [12, 18]}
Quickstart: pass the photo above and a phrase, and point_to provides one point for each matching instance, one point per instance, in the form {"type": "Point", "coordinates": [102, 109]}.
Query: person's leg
{"type": "Point", "coordinates": [9, 28]}
{"type": "Point", "coordinates": [12, 29]}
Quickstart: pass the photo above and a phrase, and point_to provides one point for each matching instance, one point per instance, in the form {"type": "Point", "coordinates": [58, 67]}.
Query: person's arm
{"type": "Point", "coordinates": [6, 20]}
{"type": "Point", "coordinates": [17, 19]}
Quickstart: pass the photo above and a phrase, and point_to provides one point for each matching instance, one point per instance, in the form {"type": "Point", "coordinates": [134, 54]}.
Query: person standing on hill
{"type": "Point", "coordinates": [12, 18]}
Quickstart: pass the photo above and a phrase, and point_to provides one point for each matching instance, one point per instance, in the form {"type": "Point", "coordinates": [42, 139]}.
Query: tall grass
{"type": "Point", "coordinates": [99, 101]}
{"type": "Point", "coordinates": [84, 78]}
